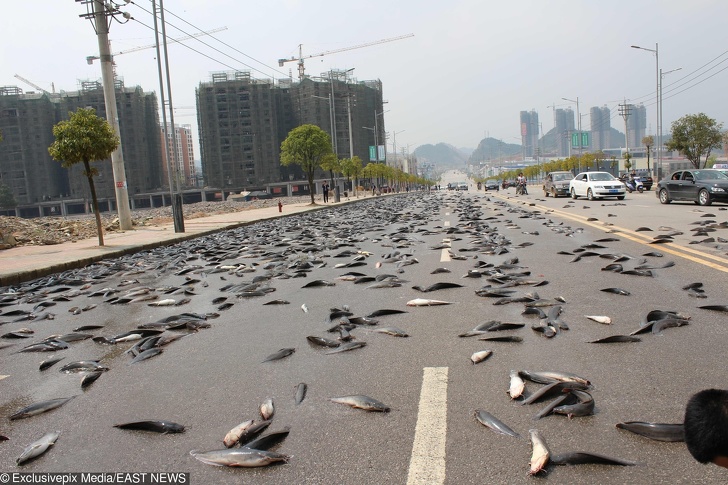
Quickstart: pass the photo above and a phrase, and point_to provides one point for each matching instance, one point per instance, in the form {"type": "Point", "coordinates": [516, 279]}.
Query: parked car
{"type": "Point", "coordinates": [461, 186]}
{"type": "Point", "coordinates": [595, 185]}
{"type": "Point", "coordinates": [557, 183]}
{"type": "Point", "coordinates": [491, 184]}
{"type": "Point", "coordinates": [701, 186]}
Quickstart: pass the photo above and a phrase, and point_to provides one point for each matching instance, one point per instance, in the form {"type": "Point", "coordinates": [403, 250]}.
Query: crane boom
{"type": "Point", "coordinates": [29, 83]}
{"type": "Point", "coordinates": [91, 59]}
{"type": "Point", "coordinates": [301, 57]}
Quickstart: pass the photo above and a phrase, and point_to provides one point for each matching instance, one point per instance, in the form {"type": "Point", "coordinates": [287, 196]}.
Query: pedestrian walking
{"type": "Point", "coordinates": [325, 188]}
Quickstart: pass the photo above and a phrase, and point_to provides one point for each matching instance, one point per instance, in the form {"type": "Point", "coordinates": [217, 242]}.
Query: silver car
{"type": "Point", "coordinates": [595, 185]}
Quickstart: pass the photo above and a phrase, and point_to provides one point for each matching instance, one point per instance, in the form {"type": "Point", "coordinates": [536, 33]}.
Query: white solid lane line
{"type": "Point", "coordinates": [427, 464]}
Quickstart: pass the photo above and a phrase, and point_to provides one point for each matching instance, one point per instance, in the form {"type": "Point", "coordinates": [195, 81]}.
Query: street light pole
{"type": "Point", "coordinates": [662, 76]}
{"type": "Point", "coordinates": [658, 114]}
{"type": "Point", "coordinates": [102, 16]}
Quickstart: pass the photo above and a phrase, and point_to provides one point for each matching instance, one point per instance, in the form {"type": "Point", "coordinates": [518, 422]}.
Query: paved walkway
{"type": "Point", "coordinates": [25, 263]}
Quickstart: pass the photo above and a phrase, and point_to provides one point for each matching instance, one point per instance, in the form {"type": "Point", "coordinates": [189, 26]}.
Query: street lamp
{"type": "Point", "coordinates": [662, 76]}
{"type": "Point", "coordinates": [394, 145]}
{"type": "Point", "coordinates": [376, 135]}
{"type": "Point", "coordinates": [658, 119]}
{"type": "Point", "coordinates": [578, 117]}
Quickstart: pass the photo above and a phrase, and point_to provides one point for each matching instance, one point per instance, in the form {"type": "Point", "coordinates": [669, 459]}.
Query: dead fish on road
{"type": "Point", "coordinates": [426, 302]}
{"type": "Point", "coordinates": [265, 443]}
{"type": "Point", "coordinates": [480, 356]}
{"type": "Point", "coordinates": [655, 431]}
{"type": "Point", "coordinates": [615, 339]}
{"type": "Point", "coordinates": [40, 407]}
{"type": "Point", "coordinates": [393, 331]}
{"type": "Point", "coordinates": [318, 283]}
{"type": "Point", "coordinates": [540, 453]}
{"type": "Point", "coordinates": [147, 354]}
{"type": "Point", "coordinates": [582, 458]}
{"type": "Point", "coordinates": [379, 313]}
{"type": "Point", "coordinates": [240, 457]}
{"type": "Point", "coordinates": [46, 364]}
{"type": "Point", "coordinates": [490, 421]}
{"type": "Point", "coordinates": [616, 291]}
{"type": "Point", "coordinates": [267, 409]}
{"type": "Point", "coordinates": [90, 378]}
{"type": "Point", "coordinates": [361, 402]}
{"type": "Point", "coordinates": [301, 390]}
{"type": "Point", "coordinates": [517, 385]}
{"type": "Point", "coordinates": [599, 319]}
{"type": "Point", "coordinates": [436, 286]}
{"type": "Point", "coordinates": [38, 447]}
{"type": "Point", "coordinates": [347, 346]}
{"type": "Point", "coordinates": [165, 302]}
{"type": "Point", "coordinates": [283, 353]}
{"type": "Point", "coordinates": [83, 366]}
{"type": "Point", "coordinates": [322, 342]}
{"type": "Point", "coordinates": [505, 338]}
{"type": "Point", "coordinates": [164, 427]}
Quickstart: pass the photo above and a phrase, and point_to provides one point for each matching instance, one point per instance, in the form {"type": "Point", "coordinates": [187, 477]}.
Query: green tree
{"type": "Point", "coordinates": [7, 199]}
{"type": "Point", "coordinates": [332, 163]}
{"type": "Point", "coordinates": [695, 136]}
{"type": "Point", "coordinates": [627, 161]}
{"type": "Point", "coordinates": [306, 145]}
{"type": "Point", "coordinates": [351, 168]}
{"type": "Point", "coordinates": [649, 142]}
{"type": "Point", "coordinates": [84, 138]}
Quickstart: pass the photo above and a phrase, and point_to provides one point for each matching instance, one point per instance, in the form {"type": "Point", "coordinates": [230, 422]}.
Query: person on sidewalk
{"type": "Point", "coordinates": [325, 188]}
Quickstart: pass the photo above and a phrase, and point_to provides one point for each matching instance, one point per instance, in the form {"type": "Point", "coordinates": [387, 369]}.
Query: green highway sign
{"type": "Point", "coordinates": [372, 153]}
{"type": "Point", "coordinates": [584, 139]}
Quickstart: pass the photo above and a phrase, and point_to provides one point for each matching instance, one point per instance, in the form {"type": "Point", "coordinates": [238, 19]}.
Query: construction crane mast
{"type": "Point", "coordinates": [91, 59]}
{"type": "Point", "coordinates": [301, 57]}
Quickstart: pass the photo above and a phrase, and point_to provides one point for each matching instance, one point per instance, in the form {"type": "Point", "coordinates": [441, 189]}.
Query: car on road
{"type": "Point", "coordinates": [700, 186]}
{"type": "Point", "coordinates": [595, 185]}
{"type": "Point", "coordinates": [557, 183]}
{"type": "Point", "coordinates": [491, 184]}
{"type": "Point", "coordinates": [462, 186]}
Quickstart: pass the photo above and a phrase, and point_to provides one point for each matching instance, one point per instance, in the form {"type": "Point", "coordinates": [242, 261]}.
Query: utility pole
{"type": "Point", "coordinates": [102, 15]}
{"type": "Point", "coordinates": [624, 111]}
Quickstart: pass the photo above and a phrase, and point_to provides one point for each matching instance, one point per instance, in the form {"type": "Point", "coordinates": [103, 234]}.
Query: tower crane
{"type": "Point", "coordinates": [29, 83]}
{"type": "Point", "coordinates": [91, 59]}
{"type": "Point", "coordinates": [301, 57]}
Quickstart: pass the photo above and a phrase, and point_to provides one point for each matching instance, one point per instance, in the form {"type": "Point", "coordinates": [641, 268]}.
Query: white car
{"type": "Point", "coordinates": [595, 185]}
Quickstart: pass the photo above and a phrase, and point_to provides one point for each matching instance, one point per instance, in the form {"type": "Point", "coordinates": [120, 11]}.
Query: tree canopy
{"type": "Point", "coordinates": [695, 136]}
{"type": "Point", "coordinates": [84, 138]}
{"type": "Point", "coordinates": [306, 145]}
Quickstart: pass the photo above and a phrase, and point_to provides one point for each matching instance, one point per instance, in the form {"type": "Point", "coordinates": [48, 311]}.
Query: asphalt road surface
{"type": "Point", "coordinates": [214, 378]}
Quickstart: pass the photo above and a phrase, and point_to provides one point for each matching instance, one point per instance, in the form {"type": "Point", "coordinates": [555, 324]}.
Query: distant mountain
{"type": "Point", "coordinates": [442, 155]}
{"type": "Point", "coordinates": [466, 151]}
{"type": "Point", "coordinates": [491, 149]}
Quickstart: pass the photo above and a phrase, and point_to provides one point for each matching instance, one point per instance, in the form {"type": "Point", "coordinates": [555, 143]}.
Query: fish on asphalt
{"type": "Point", "coordinates": [584, 406]}
{"type": "Point", "coordinates": [715, 308]}
{"type": "Point", "coordinates": [359, 401]}
{"type": "Point", "coordinates": [347, 346]}
{"type": "Point", "coordinates": [599, 319]}
{"type": "Point", "coordinates": [393, 331]}
{"type": "Point", "coordinates": [40, 407]}
{"type": "Point", "coordinates": [480, 356]}
{"type": "Point", "coordinates": [268, 441]}
{"type": "Point", "coordinates": [147, 354]}
{"type": "Point", "coordinates": [281, 354]}
{"type": "Point", "coordinates": [38, 447]}
{"type": "Point", "coordinates": [46, 364]}
{"type": "Point", "coordinates": [301, 390]}
{"type": "Point", "coordinates": [583, 458]}
{"type": "Point", "coordinates": [517, 385]}
{"type": "Point", "coordinates": [540, 453]}
{"type": "Point", "coordinates": [164, 427]}
{"type": "Point", "coordinates": [547, 377]}
{"type": "Point", "coordinates": [436, 286]}
{"type": "Point", "coordinates": [615, 339]}
{"type": "Point", "coordinates": [322, 341]}
{"type": "Point", "coordinates": [379, 313]}
{"type": "Point", "coordinates": [239, 457]}
{"type": "Point", "coordinates": [490, 421]}
{"type": "Point", "coordinates": [267, 409]}
{"type": "Point", "coordinates": [555, 388]}
{"type": "Point", "coordinates": [318, 283]}
{"type": "Point", "coordinates": [616, 291]}
{"type": "Point", "coordinates": [655, 431]}
{"type": "Point", "coordinates": [426, 302]}
{"type": "Point", "coordinates": [90, 378]}
{"type": "Point", "coordinates": [83, 366]}
{"type": "Point", "coordinates": [233, 436]}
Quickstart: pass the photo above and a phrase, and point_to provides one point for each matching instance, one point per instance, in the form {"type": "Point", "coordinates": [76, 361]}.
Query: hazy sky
{"type": "Point", "coordinates": [470, 68]}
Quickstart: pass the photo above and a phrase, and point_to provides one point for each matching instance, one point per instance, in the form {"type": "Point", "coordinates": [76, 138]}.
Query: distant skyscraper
{"type": "Point", "coordinates": [181, 139]}
{"type": "Point", "coordinates": [601, 128]}
{"type": "Point", "coordinates": [636, 125]}
{"type": "Point", "coordinates": [529, 132]}
{"type": "Point", "coordinates": [564, 126]}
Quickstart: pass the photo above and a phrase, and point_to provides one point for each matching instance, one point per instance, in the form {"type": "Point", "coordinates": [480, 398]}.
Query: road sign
{"type": "Point", "coordinates": [584, 139]}
{"type": "Point", "coordinates": [372, 153]}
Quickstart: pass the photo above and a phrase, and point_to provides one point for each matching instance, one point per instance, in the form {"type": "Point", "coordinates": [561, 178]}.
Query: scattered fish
{"type": "Point", "coordinates": [540, 453]}
{"type": "Point", "coordinates": [599, 319]}
{"type": "Point", "coordinates": [301, 390]}
{"type": "Point", "coordinates": [582, 458]}
{"type": "Point", "coordinates": [490, 421]}
{"type": "Point", "coordinates": [40, 407]}
{"type": "Point", "coordinates": [164, 427]}
{"type": "Point", "coordinates": [655, 431]}
{"type": "Point", "coordinates": [38, 447]}
{"type": "Point", "coordinates": [267, 409]}
{"type": "Point", "coordinates": [233, 436]}
{"type": "Point", "coordinates": [616, 291]}
{"type": "Point", "coordinates": [480, 356]}
{"type": "Point", "coordinates": [239, 457]}
{"type": "Point", "coordinates": [426, 302]}
{"type": "Point", "coordinates": [615, 339]}
{"type": "Point", "coordinates": [283, 353]}
{"type": "Point", "coordinates": [361, 402]}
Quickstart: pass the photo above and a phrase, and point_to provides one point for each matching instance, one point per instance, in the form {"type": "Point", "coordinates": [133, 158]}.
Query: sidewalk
{"type": "Point", "coordinates": [25, 263]}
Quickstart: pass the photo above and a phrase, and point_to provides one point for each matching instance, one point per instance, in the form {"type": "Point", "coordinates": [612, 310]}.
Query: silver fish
{"type": "Point", "coordinates": [599, 319]}
{"type": "Point", "coordinates": [480, 356]}
{"type": "Point", "coordinates": [233, 436]}
{"type": "Point", "coordinates": [301, 390]}
{"type": "Point", "coordinates": [426, 302]}
{"type": "Point", "coordinates": [267, 409]}
{"type": "Point", "coordinates": [540, 453]}
{"type": "Point", "coordinates": [361, 402]}
{"type": "Point", "coordinates": [165, 302]}
{"type": "Point", "coordinates": [38, 447]}
{"type": "Point", "coordinates": [242, 457]}
{"type": "Point", "coordinates": [517, 386]}
{"type": "Point", "coordinates": [490, 421]}
{"type": "Point", "coordinates": [40, 407]}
